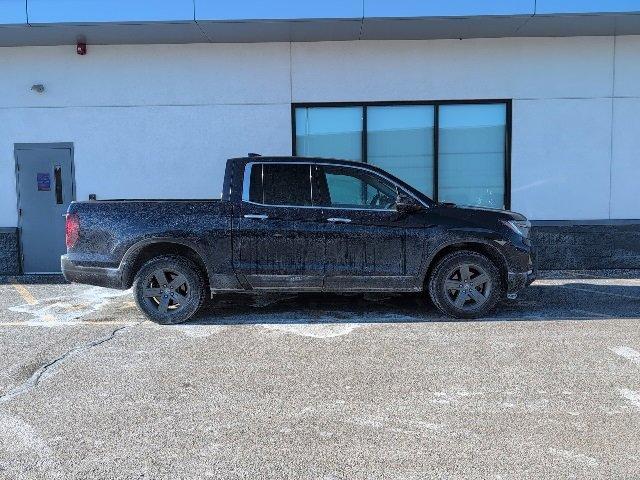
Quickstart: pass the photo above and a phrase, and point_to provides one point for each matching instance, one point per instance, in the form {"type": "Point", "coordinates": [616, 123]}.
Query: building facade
{"type": "Point", "coordinates": [512, 106]}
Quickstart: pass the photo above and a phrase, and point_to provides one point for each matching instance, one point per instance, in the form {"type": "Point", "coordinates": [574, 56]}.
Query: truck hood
{"type": "Point", "coordinates": [475, 214]}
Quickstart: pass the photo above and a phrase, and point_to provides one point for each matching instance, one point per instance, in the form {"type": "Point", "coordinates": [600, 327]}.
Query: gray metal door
{"type": "Point", "coordinates": [45, 189]}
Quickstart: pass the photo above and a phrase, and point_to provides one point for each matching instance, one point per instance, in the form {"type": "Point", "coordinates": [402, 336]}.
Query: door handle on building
{"type": "Point", "coordinates": [57, 175]}
{"type": "Point", "coordinates": [339, 220]}
{"type": "Point", "coordinates": [256, 216]}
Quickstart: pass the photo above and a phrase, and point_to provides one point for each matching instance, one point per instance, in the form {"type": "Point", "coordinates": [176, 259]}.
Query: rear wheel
{"type": "Point", "coordinates": [466, 285]}
{"type": "Point", "coordinates": [169, 289]}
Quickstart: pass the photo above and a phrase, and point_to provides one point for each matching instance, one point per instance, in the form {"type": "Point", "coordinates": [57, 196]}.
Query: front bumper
{"type": "Point", "coordinates": [99, 276]}
{"type": "Point", "coordinates": [516, 281]}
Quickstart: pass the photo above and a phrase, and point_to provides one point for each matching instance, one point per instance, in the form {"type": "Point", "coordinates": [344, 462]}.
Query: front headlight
{"type": "Point", "coordinates": [521, 227]}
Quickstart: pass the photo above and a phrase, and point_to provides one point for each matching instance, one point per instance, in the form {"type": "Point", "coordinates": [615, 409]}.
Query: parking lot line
{"type": "Point", "coordinates": [24, 292]}
{"type": "Point", "coordinates": [62, 324]}
{"type": "Point", "coordinates": [628, 353]}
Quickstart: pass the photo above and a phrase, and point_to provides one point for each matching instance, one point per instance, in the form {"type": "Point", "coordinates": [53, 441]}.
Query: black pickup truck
{"type": "Point", "coordinates": [299, 225]}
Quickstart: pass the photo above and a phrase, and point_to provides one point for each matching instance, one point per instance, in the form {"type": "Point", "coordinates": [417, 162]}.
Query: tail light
{"type": "Point", "coordinates": [72, 229]}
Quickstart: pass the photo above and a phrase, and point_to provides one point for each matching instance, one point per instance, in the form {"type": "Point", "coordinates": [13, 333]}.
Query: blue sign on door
{"type": "Point", "coordinates": [44, 182]}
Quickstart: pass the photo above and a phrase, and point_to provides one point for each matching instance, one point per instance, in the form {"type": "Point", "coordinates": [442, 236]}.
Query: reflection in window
{"type": "Point", "coordinates": [471, 154]}
{"type": "Point", "coordinates": [340, 187]}
{"type": "Point", "coordinates": [329, 132]}
{"type": "Point", "coordinates": [400, 141]}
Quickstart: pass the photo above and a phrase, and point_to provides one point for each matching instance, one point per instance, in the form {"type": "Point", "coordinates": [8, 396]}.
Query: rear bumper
{"type": "Point", "coordinates": [101, 277]}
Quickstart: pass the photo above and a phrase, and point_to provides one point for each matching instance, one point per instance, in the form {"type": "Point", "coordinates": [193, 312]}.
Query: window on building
{"type": "Point", "coordinates": [450, 151]}
{"type": "Point", "coordinates": [471, 154]}
{"type": "Point", "coordinates": [329, 132]}
{"type": "Point", "coordinates": [400, 141]}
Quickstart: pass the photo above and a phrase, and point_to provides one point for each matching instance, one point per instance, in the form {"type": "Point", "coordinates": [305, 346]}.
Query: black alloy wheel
{"type": "Point", "coordinates": [166, 290]}
{"type": "Point", "coordinates": [468, 286]}
{"type": "Point", "coordinates": [169, 289]}
{"type": "Point", "coordinates": [465, 284]}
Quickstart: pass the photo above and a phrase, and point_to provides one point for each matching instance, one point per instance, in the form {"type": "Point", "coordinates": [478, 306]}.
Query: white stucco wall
{"type": "Point", "coordinates": [573, 156]}
{"type": "Point", "coordinates": [154, 121]}
{"type": "Point", "coordinates": [160, 120]}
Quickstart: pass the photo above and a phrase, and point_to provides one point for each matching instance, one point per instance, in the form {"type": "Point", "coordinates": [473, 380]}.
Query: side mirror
{"type": "Point", "coordinates": [407, 204]}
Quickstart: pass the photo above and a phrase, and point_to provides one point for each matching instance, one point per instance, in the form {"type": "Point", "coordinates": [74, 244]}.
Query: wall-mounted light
{"type": "Point", "coordinates": [38, 88]}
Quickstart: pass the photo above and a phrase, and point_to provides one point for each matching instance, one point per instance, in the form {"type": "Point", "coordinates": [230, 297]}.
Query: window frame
{"type": "Point", "coordinates": [436, 127]}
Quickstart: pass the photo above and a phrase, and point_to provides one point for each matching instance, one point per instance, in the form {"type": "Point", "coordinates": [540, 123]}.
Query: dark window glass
{"type": "Point", "coordinates": [255, 184]}
{"type": "Point", "coordinates": [343, 187]}
{"type": "Point", "coordinates": [280, 184]}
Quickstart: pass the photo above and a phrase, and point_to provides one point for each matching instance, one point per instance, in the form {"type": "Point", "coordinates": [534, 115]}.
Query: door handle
{"type": "Point", "coordinates": [339, 220]}
{"type": "Point", "coordinates": [256, 216]}
{"type": "Point", "coordinates": [57, 175]}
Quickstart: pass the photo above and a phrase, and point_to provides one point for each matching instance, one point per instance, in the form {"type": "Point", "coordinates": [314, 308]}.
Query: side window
{"type": "Point", "coordinates": [280, 184]}
{"type": "Point", "coordinates": [343, 187]}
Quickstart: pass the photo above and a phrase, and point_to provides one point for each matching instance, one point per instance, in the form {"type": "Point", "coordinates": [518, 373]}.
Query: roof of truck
{"type": "Point", "coordinates": [298, 158]}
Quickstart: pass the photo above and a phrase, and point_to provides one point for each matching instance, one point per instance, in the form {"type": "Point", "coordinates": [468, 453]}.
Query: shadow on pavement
{"type": "Point", "coordinates": [569, 301]}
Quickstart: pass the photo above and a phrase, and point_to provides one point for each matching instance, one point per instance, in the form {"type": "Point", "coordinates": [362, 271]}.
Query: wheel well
{"type": "Point", "coordinates": [153, 250]}
{"type": "Point", "coordinates": [494, 255]}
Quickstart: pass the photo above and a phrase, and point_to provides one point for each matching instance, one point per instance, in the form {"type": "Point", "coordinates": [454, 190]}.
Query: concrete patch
{"type": "Point", "coordinates": [326, 330]}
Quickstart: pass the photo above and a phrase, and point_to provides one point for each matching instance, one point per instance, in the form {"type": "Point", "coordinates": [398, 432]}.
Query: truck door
{"type": "Point", "coordinates": [278, 235]}
{"type": "Point", "coordinates": [369, 245]}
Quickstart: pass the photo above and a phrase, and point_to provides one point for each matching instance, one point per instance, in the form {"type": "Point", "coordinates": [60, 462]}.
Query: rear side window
{"type": "Point", "coordinates": [280, 184]}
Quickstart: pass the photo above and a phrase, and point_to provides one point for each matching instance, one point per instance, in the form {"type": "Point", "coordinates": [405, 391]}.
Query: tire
{"type": "Point", "coordinates": [465, 285]}
{"type": "Point", "coordinates": [169, 289]}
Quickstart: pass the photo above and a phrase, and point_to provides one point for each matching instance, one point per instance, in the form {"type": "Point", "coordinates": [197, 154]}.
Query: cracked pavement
{"type": "Point", "coordinates": [313, 386]}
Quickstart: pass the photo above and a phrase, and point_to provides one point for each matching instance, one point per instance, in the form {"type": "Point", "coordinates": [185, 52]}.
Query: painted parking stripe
{"type": "Point", "coordinates": [627, 352]}
{"type": "Point", "coordinates": [62, 324]}
{"type": "Point", "coordinates": [631, 396]}
{"type": "Point", "coordinates": [24, 292]}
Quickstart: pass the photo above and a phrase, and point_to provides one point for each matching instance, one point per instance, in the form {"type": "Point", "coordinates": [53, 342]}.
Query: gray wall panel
{"type": "Point", "coordinates": [581, 25]}
{"type": "Point", "coordinates": [434, 28]}
{"type": "Point", "coordinates": [9, 251]}
{"type": "Point", "coordinates": [102, 34]}
{"type": "Point", "coordinates": [282, 31]}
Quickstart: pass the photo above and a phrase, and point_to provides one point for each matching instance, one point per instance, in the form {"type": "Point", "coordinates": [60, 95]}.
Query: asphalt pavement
{"type": "Point", "coordinates": [321, 386]}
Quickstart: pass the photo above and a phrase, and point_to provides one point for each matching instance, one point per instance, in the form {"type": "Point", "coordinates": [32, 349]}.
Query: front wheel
{"type": "Point", "coordinates": [169, 289]}
{"type": "Point", "coordinates": [465, 284]}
